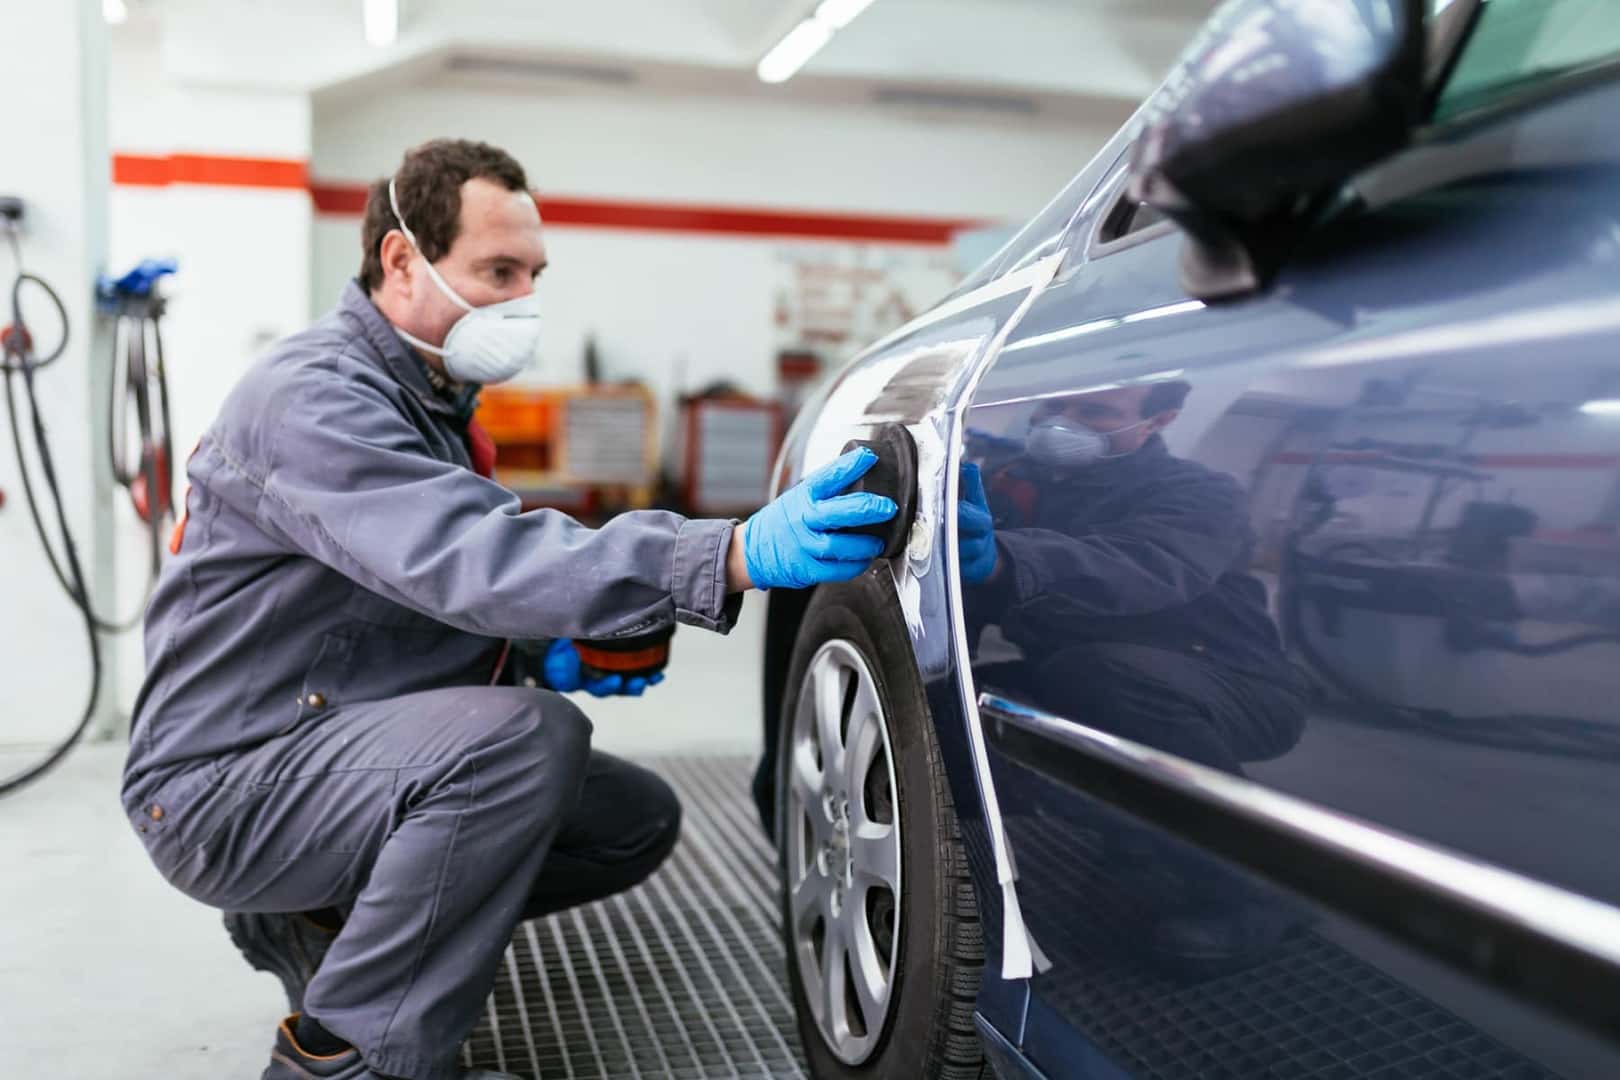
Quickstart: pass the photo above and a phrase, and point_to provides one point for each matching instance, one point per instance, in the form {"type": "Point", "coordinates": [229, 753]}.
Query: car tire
{"type": "Point", "coordinates": [935, 946]}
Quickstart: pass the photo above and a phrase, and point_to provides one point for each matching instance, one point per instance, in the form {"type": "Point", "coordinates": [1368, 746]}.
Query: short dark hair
{"type": "Point", "coordinates": [1165, 396]}
{"type": "Point", "coordinates": [428, 184]}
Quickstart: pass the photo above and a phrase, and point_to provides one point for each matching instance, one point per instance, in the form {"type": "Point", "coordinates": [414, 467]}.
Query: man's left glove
{"type": "Point", "coordinates": [975, 529]}
{"type": "Point", "coordinates": [564, 675]}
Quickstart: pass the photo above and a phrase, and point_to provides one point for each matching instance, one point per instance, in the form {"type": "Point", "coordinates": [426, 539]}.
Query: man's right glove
{"type": "Point", "coordinates": [794, 542]}
{"type": "Point", "coordinates": [975, 529]}
{"type": "Point", "coordinates": [565, 674]}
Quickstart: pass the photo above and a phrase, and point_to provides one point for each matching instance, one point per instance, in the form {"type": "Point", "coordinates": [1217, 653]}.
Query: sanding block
{"type": "Point", "coordinates": [894, 475]}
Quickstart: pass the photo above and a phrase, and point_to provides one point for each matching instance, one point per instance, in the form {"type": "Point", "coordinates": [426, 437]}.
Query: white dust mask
{"type": "Point", "coordinates": [1055, 443]}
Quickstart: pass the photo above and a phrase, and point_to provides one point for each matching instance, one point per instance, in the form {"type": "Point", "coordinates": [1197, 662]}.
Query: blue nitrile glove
{"type": "Point", "coordinates": [793, 543]}
{"type": "Point", "coordinates": [975, 529]}
{"type": "Point", "coordinates": [563, 675]}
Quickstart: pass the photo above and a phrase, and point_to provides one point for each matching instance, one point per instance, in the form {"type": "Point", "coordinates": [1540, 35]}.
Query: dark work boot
{"type": "Point", "coordinates": [290, 947]}
{"type": "Point", "coordinates": [288, 1061]}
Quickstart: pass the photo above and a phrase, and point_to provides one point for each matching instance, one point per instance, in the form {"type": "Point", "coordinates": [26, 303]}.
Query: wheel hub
{"type": "Point", "coordinates": [840, 863]}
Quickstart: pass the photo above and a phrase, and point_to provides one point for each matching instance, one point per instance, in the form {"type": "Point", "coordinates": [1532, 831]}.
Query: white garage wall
{"type": "Point", "coordinates": [720, 150]}
{"type": "Point", "coordinates": [704, 303]}
{"type": "Point", "coordinates": [243, 252]}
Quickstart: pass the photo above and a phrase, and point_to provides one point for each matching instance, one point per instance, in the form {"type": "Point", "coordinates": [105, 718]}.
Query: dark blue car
{"type": "Point", "coordinates": [1245, 701]}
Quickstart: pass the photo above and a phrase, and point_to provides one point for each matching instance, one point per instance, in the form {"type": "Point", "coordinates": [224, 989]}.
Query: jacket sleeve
{"type": "Point", "coordinates": [350, 481]}
{"type": "Point", "coordinates": [1170, 551]}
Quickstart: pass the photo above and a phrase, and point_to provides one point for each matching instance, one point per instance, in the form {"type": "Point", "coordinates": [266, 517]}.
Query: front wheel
{"type": "Point", "coordinates": [879, 916]}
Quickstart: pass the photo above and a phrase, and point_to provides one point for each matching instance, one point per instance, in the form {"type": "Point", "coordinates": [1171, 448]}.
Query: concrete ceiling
{"type": "Point", "coordinates": [1026, 60]}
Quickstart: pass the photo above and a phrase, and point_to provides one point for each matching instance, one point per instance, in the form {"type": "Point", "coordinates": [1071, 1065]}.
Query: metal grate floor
{"type": "Point", "coordinates": [681, 977]}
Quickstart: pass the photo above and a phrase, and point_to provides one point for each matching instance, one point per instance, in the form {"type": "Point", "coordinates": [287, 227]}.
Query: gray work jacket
{"type": "Point", "coordinates": [338, 547]}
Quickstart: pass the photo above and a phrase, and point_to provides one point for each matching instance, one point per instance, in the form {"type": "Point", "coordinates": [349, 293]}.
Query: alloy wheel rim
{"type": "Point", "coordinates": [843, 848]}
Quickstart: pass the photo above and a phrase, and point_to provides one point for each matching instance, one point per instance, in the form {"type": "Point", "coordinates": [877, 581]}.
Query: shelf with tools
{"type": "Point", "coordinates": [583, 448]}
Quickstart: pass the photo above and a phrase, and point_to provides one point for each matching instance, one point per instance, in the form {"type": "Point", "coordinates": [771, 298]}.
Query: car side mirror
{"type": "Point", "coordinates": [1270, 109]}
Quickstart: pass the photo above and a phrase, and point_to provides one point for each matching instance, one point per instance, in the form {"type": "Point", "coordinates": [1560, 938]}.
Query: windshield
{"type": "Point", "coordinates": [1519, 43]}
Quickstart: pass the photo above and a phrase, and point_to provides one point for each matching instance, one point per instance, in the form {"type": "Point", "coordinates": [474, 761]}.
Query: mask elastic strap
{"type": "Point", "coordinates": [1109, 436]}
{"type": "Point", "coordinates": [444, 286]}
{"type": "Point", "coordinates": [420, 344]}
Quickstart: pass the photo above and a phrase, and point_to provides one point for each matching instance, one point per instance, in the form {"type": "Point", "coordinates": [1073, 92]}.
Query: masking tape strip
{"type": "Point", "coordinates": [1017, 959]}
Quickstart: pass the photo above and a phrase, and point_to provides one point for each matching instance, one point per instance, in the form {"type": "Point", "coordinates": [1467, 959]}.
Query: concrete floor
{"type": "Point", "coordinates": [108, 974]}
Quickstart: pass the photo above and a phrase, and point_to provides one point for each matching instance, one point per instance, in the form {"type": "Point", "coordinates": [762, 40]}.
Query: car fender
{"type": "Point", "coordinates": [923, 376]}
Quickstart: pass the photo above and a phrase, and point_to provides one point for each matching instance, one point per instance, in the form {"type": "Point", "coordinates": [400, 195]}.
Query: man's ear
{"type": "Point", "coordinates": [396, 255]}
{"type": "Point", "coordinates": [1162, 420]}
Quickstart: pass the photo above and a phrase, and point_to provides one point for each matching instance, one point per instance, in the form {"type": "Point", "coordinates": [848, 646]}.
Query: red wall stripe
{"type": "Point", "coordinates": [140, 171]}
{"type": "Point", "coordinates": [335, 199]}
{"type": "Point", "coordinates": [149, 171]}
{"type": "Point", "coordinates": [339, 198]}
{"type": "Point", "coordinates": [747, 222]}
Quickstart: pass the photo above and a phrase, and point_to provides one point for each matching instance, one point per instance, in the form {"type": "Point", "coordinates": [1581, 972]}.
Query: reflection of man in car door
{"type": "Point", "coordinates": [1120, 573]}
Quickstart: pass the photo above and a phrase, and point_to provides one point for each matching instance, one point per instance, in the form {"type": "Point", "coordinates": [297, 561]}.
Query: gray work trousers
{"type": "Point", "coordinates": [438, 821]}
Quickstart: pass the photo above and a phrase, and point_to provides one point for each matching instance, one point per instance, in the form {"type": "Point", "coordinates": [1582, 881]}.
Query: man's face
{"type": "Point", "coordinates": [1111, 413]}
{"type": "Point", "coordinates": [497, 255]}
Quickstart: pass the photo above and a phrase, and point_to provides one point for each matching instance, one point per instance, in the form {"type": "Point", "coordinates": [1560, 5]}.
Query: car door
{"type": "Point", "coordinates": [1304, 725]}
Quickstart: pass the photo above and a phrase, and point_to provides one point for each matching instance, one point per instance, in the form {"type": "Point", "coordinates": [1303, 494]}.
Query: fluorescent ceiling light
{"type": "Point", "coordinates": [791, 53]}
{"type": "Point", "coordinates": [808, 38]}
{"type": "Point", "coordinates": [840, 13]}
{"type": "Point", "coordinates": [116, 12]}
{"type": "Point", "coordinates": [1602, 407]}
{"type": "Point", "coordinates": [382, 22]}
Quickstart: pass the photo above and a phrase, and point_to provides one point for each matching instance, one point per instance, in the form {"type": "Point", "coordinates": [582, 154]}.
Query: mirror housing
{"type": "Point", "coordinates": [1270, 109]}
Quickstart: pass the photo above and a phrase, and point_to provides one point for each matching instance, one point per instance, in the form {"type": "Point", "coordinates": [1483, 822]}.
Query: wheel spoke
{"type": "Point", "coordinates": [830, 680]}
{"type": "Point", "coordinates": [808, 781]}
{"type": "Point", "coordinates": [810, 900]}
{"type": "Point", "coordinates": [871, 985]}
{"type": "Point", "coordinates": [807, 785]}
{"type": "Point", "coordinates": [832, 984]}
{"type": "Point", "coordinates": [866, 706]}
{"type": "Point", "coordinates": [865, 744]}
{"type": "Point", "coordinates": [877, 862]}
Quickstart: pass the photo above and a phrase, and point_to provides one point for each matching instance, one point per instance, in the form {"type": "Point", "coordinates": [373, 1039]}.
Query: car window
{"type": "Point", "coordinates": [1127, 217]}
{"type": "Point", "coordinates": [1519, 44]}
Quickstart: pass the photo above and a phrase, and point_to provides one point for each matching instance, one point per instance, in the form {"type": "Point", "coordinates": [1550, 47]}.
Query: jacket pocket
{"type": "Point", "coordinates": [376, 609]}
{"type": "Point", "coordinates": [404, 630]}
